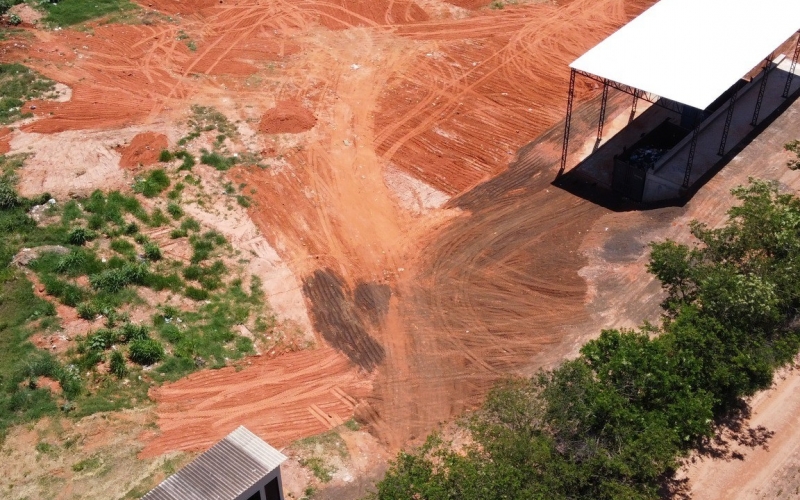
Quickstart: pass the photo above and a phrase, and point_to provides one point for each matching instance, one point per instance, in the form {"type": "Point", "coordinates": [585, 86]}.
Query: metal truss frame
{"type": "Point", "coordinates": [637, 93]}
{"type": "Point", "coordinates": [692, 149]}
{"type": "Point", "coordinates": [633, 106]}
{"type": "Point", "coordinates": [567, 122]}
{"type": "Point", "coordinates": [762, 89]}
{"type": "Point", "coordinates": [601, 123]}
{"type": "Point", "coordinates": [792, 67]}
{"type": "Point", "coordinates": [728, 119]}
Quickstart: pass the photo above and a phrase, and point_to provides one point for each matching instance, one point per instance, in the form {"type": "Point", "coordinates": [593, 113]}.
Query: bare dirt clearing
{"type": "Point", "coordinates": [430, 267]}
{"type": "Point", "coordinates": [443, 97]}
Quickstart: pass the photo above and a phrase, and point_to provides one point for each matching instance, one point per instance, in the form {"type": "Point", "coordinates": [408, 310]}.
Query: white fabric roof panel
{"type": "Point", "coordinates": [692, 51]}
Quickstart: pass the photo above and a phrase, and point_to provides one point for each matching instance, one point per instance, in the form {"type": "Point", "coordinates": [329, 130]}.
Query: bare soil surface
{"type": "Point", "coordinates": [402, 218]}
{"type": "Point", "coordinates": [287, 117]}
{"type": "Point", "coordinates": [283, 399]}
{"type": "Point", "coordinates": [143, 150]}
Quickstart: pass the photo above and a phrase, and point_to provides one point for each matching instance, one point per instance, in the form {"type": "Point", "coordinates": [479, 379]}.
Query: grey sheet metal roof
{"type": "Point", "coordinates": [223, 472]}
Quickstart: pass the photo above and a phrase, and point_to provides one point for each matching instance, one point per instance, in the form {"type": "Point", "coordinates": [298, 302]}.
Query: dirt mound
{"type": "Point", "coordinates": [143, 150]}
{"type": "Point", "coordinates": [292, 396]}
{"type": "Point", "coordinates": [5, 137]}
{"type": "Point", "coordinates": [287, 117]}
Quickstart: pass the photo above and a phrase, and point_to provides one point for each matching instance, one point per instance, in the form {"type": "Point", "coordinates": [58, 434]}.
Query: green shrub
{"type": "Point", "coordinates": [160, 282]}
{"type": "Point", "coordinates": [152, 252]}
{"type": "Point", "coordinates": [101, 340]}
{"type": "Point", "coordinates": [79, 236]}
{"type": "Point", "coordinates": [70, 212]}
{"type": "Point", "coordinates": [171, 333]}
{"type": "Point", "coordinates": [153, 184]}
{"type": "Point", "coordinates": [178, 233]}
{"type": "Point", "coordinates": [114, 280]}
{"type": "Point", "coordinates": [88, 311]}
{"type": "Point", "coordinates": [175, 211]}
{"type": "Point", "coordinates": [71, 262]}
{"type": "Point", "coordinates": [146, 351]}
{"type": "Point", "coordinates": [244, 201]}
{"type": "Point", "coordinates": [217, 161]}
{"type": "Point", "coordinates": [193, 272]}
{"type": "Point", "coordinates": [190, 224]}
{"type": "Point", "coordinates": [123, 246]}
{"type": "Point", "coordinates": [8, 195]}
{"type": "Point", "coordinates": [196, 293]}
{"type": "Point", "coordinates": [131, 228]}
{"type": "Point", "coordinates": [188, 160]}
{"type": "Point", "coordinates": [130, 332]}
{"type": "Point", "coordinates": [165, 156]}
{"type": "Point", "coordinates": [67, 293]}
{"type": "Point", "coordinates": [117, 365]}
{"type": "Point", "coordinates": [157, 218]}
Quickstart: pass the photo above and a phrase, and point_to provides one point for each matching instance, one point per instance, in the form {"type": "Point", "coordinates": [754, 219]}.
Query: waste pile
{"type": "Point", "coordinates": [646, 156]}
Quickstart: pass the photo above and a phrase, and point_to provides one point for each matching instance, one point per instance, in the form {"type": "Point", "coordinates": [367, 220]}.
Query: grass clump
{"type": "Point", "coordinates": [152, 252]}
{"type": "Point", "coordinates": [153, 184]}
{"type": "Point", "coordinates": [146, 351]}
{"type": "Point", "coordinates": [165, 156]}
{"type": "Point", "coordinates": [218, 161]}
{"type": "Point", "coordinates": [19, 84]}
{"type": "Point", "coordinates": [175, 210]}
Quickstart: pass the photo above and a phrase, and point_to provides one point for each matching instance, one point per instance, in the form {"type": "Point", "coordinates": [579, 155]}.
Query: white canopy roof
{"type": "Point", "coordinates": [692, 51]}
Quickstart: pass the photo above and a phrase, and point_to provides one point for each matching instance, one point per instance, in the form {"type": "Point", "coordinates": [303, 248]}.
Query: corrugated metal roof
{"type": "Point", "coordinates": [223, 472]}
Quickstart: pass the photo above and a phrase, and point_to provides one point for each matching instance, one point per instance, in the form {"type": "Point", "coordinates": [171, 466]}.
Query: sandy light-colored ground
{"type": "Point", "coordinates": [398, 222]}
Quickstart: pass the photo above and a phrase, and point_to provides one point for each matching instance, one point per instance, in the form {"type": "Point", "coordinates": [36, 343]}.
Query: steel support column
{"type": "Point", "coordinates": [567, 122]}
{"type": "Point", "coordinates": [692, 149]}
{"type": "Point", "coordinates": [728, 120]}
{"type": "Point", "coordinates": [792, 67]}
{"type": "Point", "coordinates": [633, 106]}
{"type": "Point", "coordinates": [761, 90]}
{"type": "Point", "coordinates": [603, 104]}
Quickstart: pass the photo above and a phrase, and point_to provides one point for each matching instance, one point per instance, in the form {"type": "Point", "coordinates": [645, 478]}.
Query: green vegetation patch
{"type": "Point", "coordinates": [71, 12]}
{"type": "Point", "coordinates": [19, 84]}
{"type": "Point", "coordinates": [153, 184]}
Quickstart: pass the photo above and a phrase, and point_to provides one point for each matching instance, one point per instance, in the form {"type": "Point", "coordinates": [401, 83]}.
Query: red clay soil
{"type": "Point", "coordinates": [144, 149]}
{"type": "Point", "coordinates": [287, 117]}
{"type": "Point", "coordinates": [282, 399]}
{"type": "Point", "coordinates": [431, 310]}
{"type": "Point", "coordinates": [457, 115]}
{"type": "Point", "coordinates": [5, 136]}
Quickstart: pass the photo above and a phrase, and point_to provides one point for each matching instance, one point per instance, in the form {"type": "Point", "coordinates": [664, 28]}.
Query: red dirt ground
{"type": "Point", "coordinates": [427, 310]}
{"type": "Point", "coordinates": [5, 134]}
{"type": "Point", "coordinates": [283, 399]}
{"type": "Point", "coordinates": [287, 117]}
{"type": "Point", "coordinates": [143, 150]}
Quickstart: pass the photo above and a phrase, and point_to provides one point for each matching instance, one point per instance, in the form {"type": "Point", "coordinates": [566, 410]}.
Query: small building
{"type": "Point", "coordinates": [240, 467]}
{"type": "Point", "coordinates": [712, 69]}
